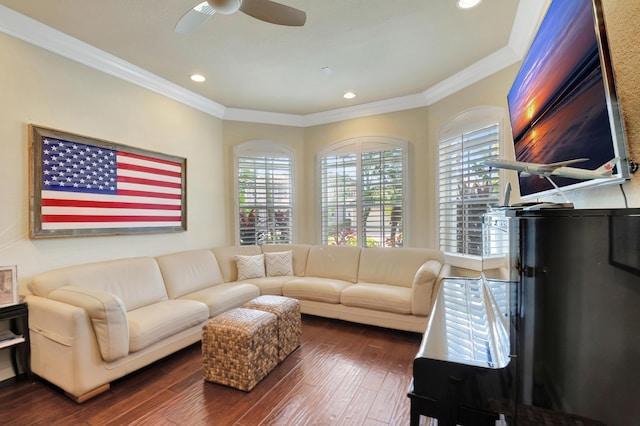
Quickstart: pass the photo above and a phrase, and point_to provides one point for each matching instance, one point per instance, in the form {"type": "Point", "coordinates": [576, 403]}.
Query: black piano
{"type": "Point", "coordinates": [465, 371]}
{"type": "Point", "coordinates": [495, 352]}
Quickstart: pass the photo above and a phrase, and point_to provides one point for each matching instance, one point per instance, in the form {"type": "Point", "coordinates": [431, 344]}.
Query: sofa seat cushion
{"type": "Point", "coordinates": [378, 297]}
{"type": "Point", "coordinates": [153, 323]}
{"type": "Point", "coordinates": [311, 288]}
{"type": "Point", "coordinates": [222, 297]}
{"type": "Point", "coordinates": [269, 285]}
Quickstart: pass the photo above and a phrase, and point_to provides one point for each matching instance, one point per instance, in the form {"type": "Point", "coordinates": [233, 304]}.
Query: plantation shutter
{"type": "Point", "coordinates": [467, 188]}
{"type": "Point", "coordinates": [382, 191]}
{"type": "Point", "coordinates": [265, 199]}
{"type": "Point", "coordinates": [362, 188]}
{"type": "Point", "coordinates": [339, 213]}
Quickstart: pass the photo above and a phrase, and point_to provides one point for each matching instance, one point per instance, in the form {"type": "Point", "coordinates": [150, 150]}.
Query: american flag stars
{"type": "Point", "coordinates": [73, 166]}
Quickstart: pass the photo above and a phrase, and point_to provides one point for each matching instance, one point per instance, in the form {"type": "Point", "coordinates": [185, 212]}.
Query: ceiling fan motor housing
{"type": "Point", "coordinates": [225, 7]}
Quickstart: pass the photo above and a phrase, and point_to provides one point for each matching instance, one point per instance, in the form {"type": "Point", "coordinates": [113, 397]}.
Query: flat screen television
{"type": "Point", "coordinates": [563, 104]}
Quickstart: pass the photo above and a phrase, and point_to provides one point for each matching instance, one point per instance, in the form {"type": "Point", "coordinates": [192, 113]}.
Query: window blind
{"type": "Point", "coordinates": [265, 199]}
{"type": "Point", "coordinates": [466, 188]}
{"type": "Point", "coordinates": [339, 199]}
{"type": "Point", "coordinates": [382, 190]}
{"type": "Point", "coordinates": [362, 188]}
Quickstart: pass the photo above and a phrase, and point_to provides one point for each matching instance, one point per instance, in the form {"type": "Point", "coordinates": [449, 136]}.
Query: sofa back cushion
{"type": "Point", "coordinates": [135, 281]}
{"type": "Point", "coordinates": [336, 262]}
{"type": "Point", "coordinates": [394, 266]}
{"type": "Point", "coordinates": [299, 252]}
{"type": "Point", "coordinates": [189, 271]}
{"type": "Point", "coordinates": [226, 257]}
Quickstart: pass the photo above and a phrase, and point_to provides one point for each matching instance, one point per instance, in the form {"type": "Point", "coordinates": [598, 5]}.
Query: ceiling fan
{"type": "Point", "coordinates": [264, 10]}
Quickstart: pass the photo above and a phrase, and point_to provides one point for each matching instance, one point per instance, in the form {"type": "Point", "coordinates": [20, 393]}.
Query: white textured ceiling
{"type": "Point", "coordinates": [379, 49]}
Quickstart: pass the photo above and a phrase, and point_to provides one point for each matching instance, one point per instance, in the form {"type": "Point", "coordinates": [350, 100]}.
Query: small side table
{"type": "Point", "coordinates": [18, 316]}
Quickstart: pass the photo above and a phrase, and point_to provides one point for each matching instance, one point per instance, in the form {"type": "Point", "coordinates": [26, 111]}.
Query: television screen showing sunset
{"type": "Point", "coordinates": [558, 102]}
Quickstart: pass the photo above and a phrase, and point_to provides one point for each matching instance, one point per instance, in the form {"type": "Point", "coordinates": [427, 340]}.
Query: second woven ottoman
{"type": "Point", "coordinates": [287, 310]}
{"type": "Point", "coordinates": [240, 347]}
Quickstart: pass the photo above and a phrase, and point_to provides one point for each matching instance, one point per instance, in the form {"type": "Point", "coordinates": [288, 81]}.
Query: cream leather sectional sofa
{"type": "Point", "coordinates": [91, 324]}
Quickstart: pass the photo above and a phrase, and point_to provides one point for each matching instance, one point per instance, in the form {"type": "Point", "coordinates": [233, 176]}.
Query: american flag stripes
{"type": "Point", "coordinates": [89, 187]}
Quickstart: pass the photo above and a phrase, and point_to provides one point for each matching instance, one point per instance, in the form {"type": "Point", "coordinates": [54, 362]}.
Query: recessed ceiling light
{"type": "Point", "coordinates": [198, 78]}
{"type": "Point", "coordinates": [467, 4]}
{"type": "Point", "coordinates": [349, 95]}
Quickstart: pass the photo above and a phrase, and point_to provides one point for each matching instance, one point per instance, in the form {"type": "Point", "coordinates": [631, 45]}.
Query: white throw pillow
{"type": "Point", "coordinates": [250, 266]}
{"type": "Point", "coordinates": [279, 263]}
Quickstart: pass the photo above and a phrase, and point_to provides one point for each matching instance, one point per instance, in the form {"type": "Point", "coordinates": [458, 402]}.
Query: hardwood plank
{"type": "Point", "coordinates": [385, 403]}
{"type": "Point", "coordinates": [258, 403]}
{"type": "Point", "coordinates": [358, 408]}
{"type": "Point", "coordinates": [321, 376]}
{"type": "Point", "coordinates": [343, 374]}
{"type": "Point", "coordinates": [337, 403]}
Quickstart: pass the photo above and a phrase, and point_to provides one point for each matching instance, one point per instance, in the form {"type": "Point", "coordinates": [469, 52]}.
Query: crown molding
{"type": "Point", "coordinates": [332, 116]}
{"type": "Point", "coordinates": [38, 34]}
{"type": "Point", "coordinates": [264, 117]}
{"type": "Point", "coordinates": [524, 27]}
{"type": "Point", "coordinates": [485, 67]}
{"type": "Point", "coordinates": [364, 110]}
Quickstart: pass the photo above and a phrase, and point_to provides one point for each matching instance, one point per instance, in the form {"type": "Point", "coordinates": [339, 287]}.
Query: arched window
{"type": "Point", "coordinates": [362, 187]}
{"type": "Point", "coordinates": [264, 193]}
{"type": "Point", "coordinates": [466, 187]}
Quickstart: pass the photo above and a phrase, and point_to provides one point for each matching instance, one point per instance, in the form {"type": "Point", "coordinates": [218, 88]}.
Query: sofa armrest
{"type": "Point", "coordinates": [56, 321]}
{"type": "Point", "coordinates": [424, 283]}
{"type": "Point", "coordinates": [108, 317]}
{"type": "Point", "coordinates": [445, 271]}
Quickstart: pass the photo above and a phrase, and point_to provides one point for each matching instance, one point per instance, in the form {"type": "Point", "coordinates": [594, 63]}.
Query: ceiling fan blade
{"type": "Point", "coordinates": [194, 18]}
{"type": "Point", "coordinates": [274, 13]}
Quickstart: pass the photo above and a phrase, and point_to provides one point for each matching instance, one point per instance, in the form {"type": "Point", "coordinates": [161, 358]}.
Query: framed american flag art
{"type": "Point", "coordinates": [80, 186]}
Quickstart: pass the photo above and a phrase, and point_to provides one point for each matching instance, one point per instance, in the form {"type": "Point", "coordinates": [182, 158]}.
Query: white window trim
{"type": "Point", "coordinates": [358, 145]}
{"type": "Point", "coordinates": [261, 148]}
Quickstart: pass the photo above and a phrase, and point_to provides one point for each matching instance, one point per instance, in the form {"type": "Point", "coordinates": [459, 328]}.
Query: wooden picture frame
{"type": "Point", "coordinates": [82, 186]}
{"type": "Point", "coordinates": [8, 285]}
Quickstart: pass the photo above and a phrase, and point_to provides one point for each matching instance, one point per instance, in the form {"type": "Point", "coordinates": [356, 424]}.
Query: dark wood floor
{"type": "Point", "coordinates": [343, 374]}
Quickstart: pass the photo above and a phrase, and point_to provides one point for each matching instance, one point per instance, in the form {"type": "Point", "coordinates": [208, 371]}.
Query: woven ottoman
{"type": "Point", "coordinates": [239, 348]}
{"type": "Point", "coordinates": [287, 310]}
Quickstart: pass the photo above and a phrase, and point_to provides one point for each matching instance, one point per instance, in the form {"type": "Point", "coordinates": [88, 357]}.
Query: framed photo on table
{"type": "Point", "coordinates": [8, 285]}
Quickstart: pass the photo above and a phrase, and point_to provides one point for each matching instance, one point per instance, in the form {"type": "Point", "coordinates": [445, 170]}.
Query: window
{"type": "Point", "coordinates": [466, 187]}
{"type": "Point", "coordinates": [362, 184]}
{"type": "Point", "coordinates": [264, 190]}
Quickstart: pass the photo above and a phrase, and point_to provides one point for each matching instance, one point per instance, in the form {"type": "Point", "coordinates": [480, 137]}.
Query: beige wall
{"type": "Point", "coordinates": [48, 90]}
